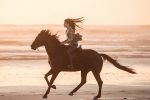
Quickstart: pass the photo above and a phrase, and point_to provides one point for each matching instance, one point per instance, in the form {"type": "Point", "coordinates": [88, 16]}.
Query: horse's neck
{"type": "Point", "coordinates": [51, 51]}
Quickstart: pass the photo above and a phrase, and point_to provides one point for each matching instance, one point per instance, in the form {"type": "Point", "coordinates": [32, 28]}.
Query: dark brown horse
{"type": "Point", "coordinates": [84, 60]}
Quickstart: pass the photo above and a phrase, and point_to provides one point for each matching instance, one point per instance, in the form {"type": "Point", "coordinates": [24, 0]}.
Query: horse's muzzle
{"type": "Point", "coordinates": [32, 47]}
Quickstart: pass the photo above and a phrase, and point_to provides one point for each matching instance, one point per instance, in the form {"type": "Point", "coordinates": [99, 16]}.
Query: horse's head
{"type": "Point", "coordinates": [45, 38]}
{"type": "Point", "coordinates": [40, 39]}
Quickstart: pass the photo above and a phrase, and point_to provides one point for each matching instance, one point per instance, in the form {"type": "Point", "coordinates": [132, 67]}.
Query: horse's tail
{"type": "Point", "coordinates": [115, 63]}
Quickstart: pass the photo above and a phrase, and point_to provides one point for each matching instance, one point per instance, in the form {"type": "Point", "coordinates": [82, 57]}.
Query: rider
{"type": "Point", "coordinates": [72, 39]}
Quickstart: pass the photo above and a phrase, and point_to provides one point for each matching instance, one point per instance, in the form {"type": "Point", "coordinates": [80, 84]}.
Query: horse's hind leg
{"type": "Point", "coordinates": [99, 81]}
{"type": "Point", "coordinates": [83, 81]}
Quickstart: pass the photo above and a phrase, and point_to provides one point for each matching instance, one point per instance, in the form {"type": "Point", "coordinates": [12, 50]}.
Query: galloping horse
{"type": "Point", "coordinates": [84, 60]}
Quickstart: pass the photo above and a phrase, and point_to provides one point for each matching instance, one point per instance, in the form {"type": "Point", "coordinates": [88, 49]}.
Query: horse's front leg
{"type": "Point", "coordinates": [46, 78]}
{"type": "Point", "coordinates": [54, 75]}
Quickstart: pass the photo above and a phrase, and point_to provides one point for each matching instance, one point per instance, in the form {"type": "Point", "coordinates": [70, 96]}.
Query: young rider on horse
{"type": "Point", "coordinates": [72, 38]}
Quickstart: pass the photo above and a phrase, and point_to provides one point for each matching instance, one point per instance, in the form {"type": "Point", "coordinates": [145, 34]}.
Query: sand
{"type": "Point", "coordinates": [26, 82]}
{"type": "Point", "coordinates": [87, 92]}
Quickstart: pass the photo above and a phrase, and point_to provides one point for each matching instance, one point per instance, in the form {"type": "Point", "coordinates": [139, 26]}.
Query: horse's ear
{"type": "Point", "coordinates": [48, 32]}
{"type": "Point", "coordinates": [43, 31]}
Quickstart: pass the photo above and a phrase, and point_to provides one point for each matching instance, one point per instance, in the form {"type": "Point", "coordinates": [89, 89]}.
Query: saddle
{"type": "Point", "coordinates": [77, 50]}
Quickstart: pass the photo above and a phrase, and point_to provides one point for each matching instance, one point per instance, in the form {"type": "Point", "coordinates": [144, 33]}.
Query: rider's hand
{"type": "Point", "coordinates": [62, 43]}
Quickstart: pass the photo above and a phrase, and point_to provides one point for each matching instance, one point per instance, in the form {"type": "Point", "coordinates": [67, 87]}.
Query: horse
{"type": "Point", "coordinates": [84, 60]}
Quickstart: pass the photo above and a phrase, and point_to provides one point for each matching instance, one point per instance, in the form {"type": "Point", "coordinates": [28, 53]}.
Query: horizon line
{"type": "Point", "coordinates": [82, 25]}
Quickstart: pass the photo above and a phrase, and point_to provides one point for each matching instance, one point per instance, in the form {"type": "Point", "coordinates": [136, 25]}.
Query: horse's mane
{"type": "Point", "coordinates": [54, 37]}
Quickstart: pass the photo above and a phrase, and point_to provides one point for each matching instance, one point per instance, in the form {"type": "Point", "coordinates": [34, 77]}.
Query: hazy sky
{"type": "Point", "coordinates": [101, 12]}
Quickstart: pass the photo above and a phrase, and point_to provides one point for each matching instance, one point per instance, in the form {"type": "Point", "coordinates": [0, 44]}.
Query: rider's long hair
{"type": "Point", "coordinates": [73, 22]}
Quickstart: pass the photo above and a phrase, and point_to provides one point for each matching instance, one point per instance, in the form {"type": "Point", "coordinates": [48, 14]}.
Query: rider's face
{"type": "Point", "coordinates": [66, 24]}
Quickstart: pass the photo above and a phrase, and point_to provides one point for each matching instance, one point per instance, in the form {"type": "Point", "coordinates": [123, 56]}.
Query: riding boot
{"type": "Point", "coordinates": [70, 66]}
{"type": "Point", "coordinates": [70, 53]}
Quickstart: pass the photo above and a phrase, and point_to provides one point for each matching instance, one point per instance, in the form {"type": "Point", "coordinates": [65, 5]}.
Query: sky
{"type": "Point", "coordinates": [95, 12]}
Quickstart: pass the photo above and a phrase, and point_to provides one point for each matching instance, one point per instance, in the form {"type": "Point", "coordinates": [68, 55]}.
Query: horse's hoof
{"type": "Point", "coordinates": [71, 94]}
{"type": "Point", "coordinates": [45, 96]}
{"type": "Point", "coordinates": [96, 98]}
{"type": "Point", "coordinates": [54, 86]}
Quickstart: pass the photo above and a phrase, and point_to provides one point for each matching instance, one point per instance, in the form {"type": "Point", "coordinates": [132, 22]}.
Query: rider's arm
{"type": "Point", "coordinates": [70, 36]}
{"type": "Point", "coordinates": [65, 41]}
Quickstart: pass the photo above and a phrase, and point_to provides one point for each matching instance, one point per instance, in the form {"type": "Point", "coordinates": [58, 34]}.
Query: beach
{"type": "Point", "coordinates": [22, 70]}
{"type": "Point", "coordinates": [109, 92]}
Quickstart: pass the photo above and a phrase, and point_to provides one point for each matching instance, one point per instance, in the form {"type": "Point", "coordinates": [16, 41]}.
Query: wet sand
{"type": "Point", "coordinates": [87, 92]}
